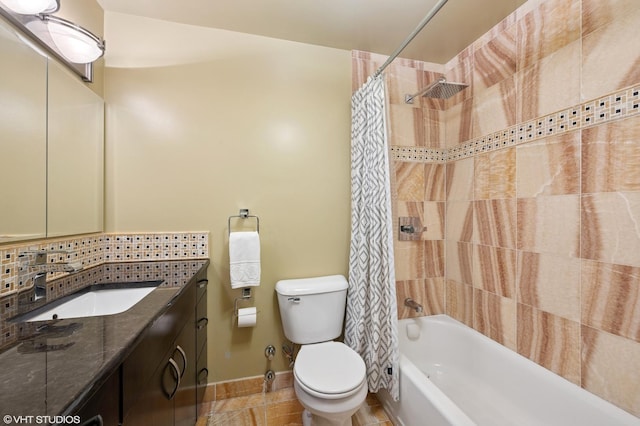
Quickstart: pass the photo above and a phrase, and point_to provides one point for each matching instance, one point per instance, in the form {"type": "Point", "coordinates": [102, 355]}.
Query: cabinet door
{"type": "Point", "coordinates": [155, 406]}
{"type": "Point", "coordinates": [185, 356]}
{"type": "Point", "coordinates": [105, 402]}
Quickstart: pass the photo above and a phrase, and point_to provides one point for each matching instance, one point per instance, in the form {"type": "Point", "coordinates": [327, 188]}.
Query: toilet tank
{"type": "Point", "coordinates": [312, 309]}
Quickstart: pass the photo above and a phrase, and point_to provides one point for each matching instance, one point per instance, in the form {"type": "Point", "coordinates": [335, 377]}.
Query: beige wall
{"type": "Point", "coordinates": [207, 122]}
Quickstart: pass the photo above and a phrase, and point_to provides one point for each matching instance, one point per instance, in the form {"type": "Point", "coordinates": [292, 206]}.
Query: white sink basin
{"type": "Point", "coordinates": [94, 303]}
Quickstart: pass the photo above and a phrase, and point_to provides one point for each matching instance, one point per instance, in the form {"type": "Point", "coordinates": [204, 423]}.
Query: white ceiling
{"type": "Point", "coordinates": [377, 26]}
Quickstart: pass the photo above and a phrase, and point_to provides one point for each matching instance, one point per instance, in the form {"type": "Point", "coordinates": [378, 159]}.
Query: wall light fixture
{"type": "Point", "coordinates": [32, 7]}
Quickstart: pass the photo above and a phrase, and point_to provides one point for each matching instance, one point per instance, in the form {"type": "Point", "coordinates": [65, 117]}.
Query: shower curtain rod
{"type": "Point", "coordinates": [408, 40]}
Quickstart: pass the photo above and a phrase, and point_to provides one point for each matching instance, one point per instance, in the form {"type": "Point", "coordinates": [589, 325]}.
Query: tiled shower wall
{"type": "Point", "coordinates": [530, 184]}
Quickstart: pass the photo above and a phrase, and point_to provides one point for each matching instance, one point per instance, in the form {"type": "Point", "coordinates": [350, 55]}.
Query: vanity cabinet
{"type": "Point", "coordinates": [162, 381]}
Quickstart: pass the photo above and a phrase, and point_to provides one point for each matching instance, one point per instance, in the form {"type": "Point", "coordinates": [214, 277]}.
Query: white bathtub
{"type": "Point", "coordinates": [453, 375]}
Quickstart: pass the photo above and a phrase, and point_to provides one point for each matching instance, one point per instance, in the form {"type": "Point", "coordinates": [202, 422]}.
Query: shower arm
{"type": "Point", "coordinates": [408, 99]}
{"type": "Point", "coordinates": [413, 35]}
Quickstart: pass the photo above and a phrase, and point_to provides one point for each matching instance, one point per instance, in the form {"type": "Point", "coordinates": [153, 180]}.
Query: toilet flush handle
{"type": "Point", "coordinates": [294, 299]}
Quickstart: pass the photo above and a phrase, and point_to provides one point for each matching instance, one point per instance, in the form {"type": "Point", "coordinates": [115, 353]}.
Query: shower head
{"type": "Point", "coordinates": [441, 89]}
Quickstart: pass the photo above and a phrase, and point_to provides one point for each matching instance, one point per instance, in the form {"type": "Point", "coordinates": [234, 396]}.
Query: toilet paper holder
{"type": "Point", "coordinates": [246, 295]}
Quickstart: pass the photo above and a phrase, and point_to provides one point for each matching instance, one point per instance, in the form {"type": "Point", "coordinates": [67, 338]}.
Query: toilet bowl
{"type": "Point", "coordinates": [330, 383]}
{"type": "Point", "coordinates": [329, 377]}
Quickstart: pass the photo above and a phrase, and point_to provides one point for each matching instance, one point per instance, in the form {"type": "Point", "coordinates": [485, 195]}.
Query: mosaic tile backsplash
{"type": "Point", "coordinates": [96, 249]}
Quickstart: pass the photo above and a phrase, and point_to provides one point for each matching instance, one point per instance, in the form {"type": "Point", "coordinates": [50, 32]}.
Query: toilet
{"type": "Point", "coordinates": [329, 377]}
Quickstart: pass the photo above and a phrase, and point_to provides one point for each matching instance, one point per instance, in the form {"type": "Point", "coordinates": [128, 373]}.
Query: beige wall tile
{"type": "Point", "coordinates": [434, 128]}
{"type": "Point", "coordinates": [459, 122]}
{"type": "Point", "coordinates": [494, 270]}
{"type": "Point", "coordinates": [550, 84]}
{"type": "Point", "coordinates": [550, 283]}
{"type": "Point", "coordinates": [494, 108]}
{"type": "Point", "coordinates": [482, 177]}
{"type": "Point", "coordinates": [611, 156]}
{"type": "Point", "coordinates": [459, 264]}
{"type": "Point", "coordinates": [459, 302]}
{"type": "Point", "coordinates": [549, 224]}
{"type": "Point", "coordinates": [434, 176]}
{"type": "Point", "coordinates": [549, 167]}
{"type": "Point", "coordinates": [460, 180]}
{"type": "Point", "coordinates": [459, 221]}
{"type": "Point", "coordinates": [495, 61]}
{"type": "Point", "coordinates": [410, 181]}
{"type": "Point", "coordinates": [598, 13]}
{"type": "Point", "coordinates": [409, 258]}
{"type": "Point", "coordinates": [613, 43]}
{"type": "Point", "coordinates": [547, 29]}
{"type": "Point", "coordinates": [460, 69]}
{"type": "Point", "coordinates": [427, 292]}
{"type": "Point", "coordinates": [406, 126]}
{"type": "Point", "coordinates": [494, 223]}
{"type": "Point", "coordinates": [433, 220]}
{"type": "Point", "coordinates": [610, 230]}
{"type": "Point", "coordinates": [611, 368]}
{"type": "Point", "coordinates": [434, 259]}
{"type": "Point", "coordinates": [611, 298]}
{"type": "Point", "coordinates": [495, 317]}
{"type": "Point", "coordinates": [550, 341]}
{"type": "Point", "coordinates": [401, 80]}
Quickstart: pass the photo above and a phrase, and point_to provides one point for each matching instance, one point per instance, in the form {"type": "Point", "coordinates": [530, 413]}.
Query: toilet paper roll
{"type": "Point", "coordinates": [247, 317]}
{"type": "Point", "coordinates": [413, 331]}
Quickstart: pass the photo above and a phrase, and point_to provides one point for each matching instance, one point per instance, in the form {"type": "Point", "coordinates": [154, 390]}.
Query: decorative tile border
{"type": "Point", "coordinates": [96, 249]}
{"type": "Point", "coordinates": [618, 105]}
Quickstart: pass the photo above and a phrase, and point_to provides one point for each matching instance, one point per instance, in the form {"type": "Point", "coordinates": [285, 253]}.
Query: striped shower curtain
{"type": "Point", "coordinates": [371, 319]}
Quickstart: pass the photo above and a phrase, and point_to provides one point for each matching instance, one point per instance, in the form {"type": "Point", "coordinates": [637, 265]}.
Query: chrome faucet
{"type": "Point", "coordinates": [36, 261]}
{"type": "Point", "coordinates": [413, 304]}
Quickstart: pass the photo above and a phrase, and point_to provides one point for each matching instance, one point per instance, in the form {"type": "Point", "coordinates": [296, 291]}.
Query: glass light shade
{"type": "Point", "coordinates": [32, 7]}
{"type": "Point", "coordinates": [74, 43]}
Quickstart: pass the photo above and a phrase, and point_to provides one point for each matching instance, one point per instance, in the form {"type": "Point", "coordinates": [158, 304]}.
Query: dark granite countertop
{"type": "Point", "coordinates": [47, 372]}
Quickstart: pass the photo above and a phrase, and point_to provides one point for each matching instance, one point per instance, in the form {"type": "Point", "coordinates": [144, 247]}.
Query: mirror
{"type": "Point", "coordinates": [74, 155]}
{"type": "Point", "coordinates": [51, 146]}
{"type": "Point", "coordinates": [23, 138]}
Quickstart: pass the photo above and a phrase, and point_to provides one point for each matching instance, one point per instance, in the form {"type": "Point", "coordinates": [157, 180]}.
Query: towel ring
{"type": "Point", "coordinates": [243, 214]}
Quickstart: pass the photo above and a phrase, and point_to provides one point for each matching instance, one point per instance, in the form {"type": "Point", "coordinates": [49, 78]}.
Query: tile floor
{"type": "Point", "coordinates": [278, 408]}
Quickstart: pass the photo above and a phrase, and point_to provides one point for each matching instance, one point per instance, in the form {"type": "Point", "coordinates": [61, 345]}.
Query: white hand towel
{"type": "Point", "coordinates": [244, 259]}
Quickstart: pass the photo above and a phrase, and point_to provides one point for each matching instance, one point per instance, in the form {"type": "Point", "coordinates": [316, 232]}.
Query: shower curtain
{"type": "Point", "coordinates": [371, 318]}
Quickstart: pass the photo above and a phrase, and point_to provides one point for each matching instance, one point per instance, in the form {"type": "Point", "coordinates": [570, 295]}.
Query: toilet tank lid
{"type": "Point", "coordinates": [315, 285]}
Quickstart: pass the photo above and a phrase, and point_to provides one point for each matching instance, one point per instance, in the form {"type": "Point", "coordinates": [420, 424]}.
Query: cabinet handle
{"type": "Point", "coordinates": [176, 370]}
{"type": "Point", "coordinates": [203, 283]}
{"type": "Point", "coordinates": [184, 358]}
{"type": "Point", "coordinates": [202, 323]}
{"type": "Point", "coordinates": [206, 374]}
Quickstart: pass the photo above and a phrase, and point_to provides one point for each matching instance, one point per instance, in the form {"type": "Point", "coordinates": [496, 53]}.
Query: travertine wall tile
{"type": "Point", "coordinates": [459, 221]}
{"type": "Point", "coordinates": [406, 126]}
{"type": "Point", "coordinates": [494, 270]}
{"type": "Point", "coordinates": [550, 166]}
{"type": "Point", "coordinates": [459, 122]}
{"type": "Point", "coordinates": [460, 180]}
{"type": "Point", "coordinates": [550, 341]}
{"type": "Point", "coordinates": [549, 283]}
{"type": "Point", "coordinates": [494, 222]}
{"type": "Point", "coordinates": [410, 181]}
{"type": "Point", "coordinates": [611, 368]}
{"type": "Point", "coordinates": [614, 40]}
{"type": "Point", "coordinates": [434, 128]}
{"type": "Point", "coordinates": [459, 302]}
{"type": "Point", "coordinates": [611, 298]}
{"type": "Point", "coordinates": [550, 224]}
{"type": "Point", "coordinates": [494, 108]}
{"type": "Point", "coordinates": [495, 61]}
{"type": "Point", "coordinates": [610, 231]}
{"type": "Point", "coordinates": [547, 29]}
{"type": "Point", "coordinates": [459, 264]}
{"type": "Point", "coordinates": [611, 156]}
{"type": "Point", "coordinates": [427, 292]}
{"type": "Point", "coordinates": [434, 176]}
{"type": "Point", "coordinates": [495, 317]}
{"type": "Point", "coordinates": [550, 84]}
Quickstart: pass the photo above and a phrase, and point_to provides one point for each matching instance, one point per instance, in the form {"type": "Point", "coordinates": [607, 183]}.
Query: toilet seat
{"type": "Point", "coordinates": [329, 370]}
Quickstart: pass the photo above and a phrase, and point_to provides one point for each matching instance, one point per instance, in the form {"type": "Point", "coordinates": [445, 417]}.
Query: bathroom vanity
{"type": "Point", "coordinates": [147, 365]}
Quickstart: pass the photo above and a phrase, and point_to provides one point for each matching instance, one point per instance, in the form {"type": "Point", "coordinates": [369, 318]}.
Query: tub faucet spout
{"type": "Point", "coordinates": [413, 304]}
